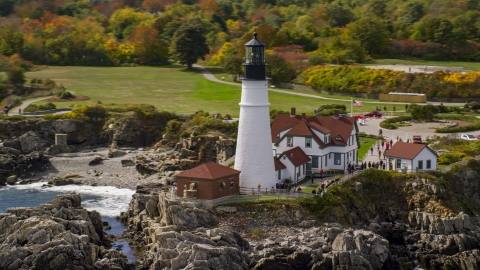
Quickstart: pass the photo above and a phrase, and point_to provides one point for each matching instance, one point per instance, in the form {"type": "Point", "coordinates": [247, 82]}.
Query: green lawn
{"type": "Point", "coordinates": [310, 188]}
{"type": "Point", "coordinates": [170, 88]}
{"type": "Point", "coordinates": [475, 66]}
{"type": "Point", "coordinates": [365, 144]}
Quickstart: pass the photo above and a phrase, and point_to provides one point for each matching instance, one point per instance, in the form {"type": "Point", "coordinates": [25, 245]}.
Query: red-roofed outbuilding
{"type": "Point", "coordinates": [208, 181]}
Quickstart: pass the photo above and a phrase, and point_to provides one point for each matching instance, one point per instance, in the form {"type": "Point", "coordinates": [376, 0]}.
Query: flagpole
{"type": "Point", "coordinates": [351, 106]}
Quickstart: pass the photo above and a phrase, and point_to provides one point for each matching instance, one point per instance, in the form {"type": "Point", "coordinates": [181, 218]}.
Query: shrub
{"type": "Point", "coordinates": [450, 157]}
{"type": "Point", "coordinates": [65, 95]}
{"type": "Point", "coordinates": [13, 117]}
{"type": "Point", "coordinates": [37, 108]}
{"type": "Point", "coordinates": [257, 234]}
{"type": "Point", "coordinates": [391, 122]}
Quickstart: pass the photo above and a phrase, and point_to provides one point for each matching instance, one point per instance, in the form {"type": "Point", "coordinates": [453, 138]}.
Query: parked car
{"type": "Point", "coordinates": [417, 138]}
{"type": "Point", "coordinates": [468, 137]}
{"type": "Point", "coordinates": [373, 114]}
{"type": "Point", "coordinates": [359, 117]}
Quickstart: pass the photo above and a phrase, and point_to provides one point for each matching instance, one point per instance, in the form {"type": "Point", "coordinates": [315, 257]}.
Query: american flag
{"type": "Point", "coordinates": [357, 103]}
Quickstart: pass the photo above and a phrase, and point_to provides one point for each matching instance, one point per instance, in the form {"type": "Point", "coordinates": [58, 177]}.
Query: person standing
{"type": "Point", "coordinates": [321, 173]}
{"type": "Point", "coordinates": [371, 150]}
{"type": "Point", "coordinates": [379, 154]}
{"type": "Point", "coordinates": [312, 177]}
{"type": "Point", "coordinates": [19, 111]}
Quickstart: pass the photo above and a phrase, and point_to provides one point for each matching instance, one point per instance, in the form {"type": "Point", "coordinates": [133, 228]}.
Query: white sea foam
{"type": "Point", "coordinates": [107, 200]}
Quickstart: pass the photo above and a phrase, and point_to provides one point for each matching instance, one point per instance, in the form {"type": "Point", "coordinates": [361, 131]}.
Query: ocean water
{"type": "Point", "coordinates": [108, 201]}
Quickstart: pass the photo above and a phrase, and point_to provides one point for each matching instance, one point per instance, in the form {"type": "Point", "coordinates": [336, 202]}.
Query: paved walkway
{"type": "Point", "coordinates": [209, 76]}
{"type": "Point", "coordinates": [25, 103]}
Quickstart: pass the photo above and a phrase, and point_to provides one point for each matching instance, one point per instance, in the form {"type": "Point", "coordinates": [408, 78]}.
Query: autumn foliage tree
{"type": "Point", "coordinates": [149, 48]}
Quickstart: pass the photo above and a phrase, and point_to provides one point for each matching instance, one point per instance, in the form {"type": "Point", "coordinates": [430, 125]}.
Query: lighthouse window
{"type": "Point", "coordinates": [308, 142]}
{"type": "Point", "coordinates": [289, 141]}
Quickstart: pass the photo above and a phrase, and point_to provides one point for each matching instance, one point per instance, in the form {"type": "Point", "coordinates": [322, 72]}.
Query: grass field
{"type": "Point", "coordinates": [475, 66]}
{"type": "Point", "coordinates": [170, 88]}
{"type": "Point", "coordinates": [365, 144]}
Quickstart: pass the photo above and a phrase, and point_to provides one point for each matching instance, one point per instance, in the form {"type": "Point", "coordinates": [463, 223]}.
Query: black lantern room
{"type": "Point", "coordinates": [254, 66]}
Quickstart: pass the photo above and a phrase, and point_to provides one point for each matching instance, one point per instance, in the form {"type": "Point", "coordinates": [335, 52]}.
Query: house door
{"type": "Point", "coordinates": [309, 168]}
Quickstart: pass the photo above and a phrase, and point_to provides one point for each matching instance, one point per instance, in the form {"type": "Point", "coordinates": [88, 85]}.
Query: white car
{"type": "Point", "coordinates": [468, 137]}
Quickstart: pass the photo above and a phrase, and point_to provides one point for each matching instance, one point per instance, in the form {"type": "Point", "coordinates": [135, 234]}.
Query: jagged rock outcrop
{"type": "Point", "coordinates": [13, 162]}
{"type": "Point", "coordinates": [177, 237]}
{"type": "Point", "coordinates": [190, 152]}
{"type": "Point", "coordinates": [57, 235]}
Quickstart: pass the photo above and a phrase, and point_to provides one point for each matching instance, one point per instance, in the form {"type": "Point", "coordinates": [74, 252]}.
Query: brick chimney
{"type": "Point", "coordinates": [336, 113]}
{"type": "Point", "coordinates": [304, 116]}
{"type": "Point", "coordinates": [293, 112]}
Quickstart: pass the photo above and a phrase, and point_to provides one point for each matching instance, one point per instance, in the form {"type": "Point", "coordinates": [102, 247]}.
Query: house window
{"type": "Point", "coordinates": [231, 182]}
{"type": "Point", "coordinates": [429, 164]}
{"type": "Point", "coordinates": [338, 138]}
{"type": "Point", "coordinates": [420, 164]}
{"type": "Point", "coordinates": [337, 159]}
{"type": "Point", "coordinates": [221, 185]}
{"type": "Point", "coordinates": [314, 162]}
{"type": "Point", "coordinates": [326, 161]}
{"type": "Point", "coordinates": [327, 139]}
{"type": "Point", "coordinates": [399, 163]}
{"type": "Point", "coordinates": [308, 142]}
{"type": "Point", "coordinates": [289, 141]}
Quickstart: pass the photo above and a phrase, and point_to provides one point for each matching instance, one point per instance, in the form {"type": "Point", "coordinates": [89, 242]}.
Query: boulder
{"type": "Point", "coordinates": [95, 161]}
{"type": "Point", "coordinates": [31, 141]}
{"type": "Point", "coordinates": [12, 180]}
{"type": "Point", "coordinates": [113, 153]}
{"type": "Point", "coordinates": [127, 162]}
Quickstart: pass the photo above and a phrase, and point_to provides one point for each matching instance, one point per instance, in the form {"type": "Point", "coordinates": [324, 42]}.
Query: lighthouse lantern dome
{"type": "Point", "coordinates": [254, 66]}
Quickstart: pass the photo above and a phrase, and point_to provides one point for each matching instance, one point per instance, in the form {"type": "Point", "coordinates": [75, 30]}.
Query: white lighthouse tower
{"type": "Point", "coordinates": [254, 154]}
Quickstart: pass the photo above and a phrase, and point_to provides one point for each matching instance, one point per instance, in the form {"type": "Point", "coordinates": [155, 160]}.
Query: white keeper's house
{"type": "Point", "coordinates": [411, 157]}
{"type": "Point", "coordinates": [302, 145]}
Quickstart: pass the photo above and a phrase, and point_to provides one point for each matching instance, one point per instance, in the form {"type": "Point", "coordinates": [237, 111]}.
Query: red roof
{"type": "Point", "coordinates": [341, 126]}
{"type": "Point", "coordinates": [296, 156]}
{"type": "Point", "coordinates": [300, 129]}
{"type": "Point", "coordinates": [278, 164]}
{"type": "Point", "coordinates": [406, 150]}
{"type": "Point", "coordinates": [209, 170]}
{"type": "Point", "coordinates": [282, 122]}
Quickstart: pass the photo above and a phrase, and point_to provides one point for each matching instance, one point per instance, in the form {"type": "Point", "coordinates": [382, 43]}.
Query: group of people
{"type": "Point", "coordinates": [285, 187]}
{"type": "Point", "coordinates": [376, 165]}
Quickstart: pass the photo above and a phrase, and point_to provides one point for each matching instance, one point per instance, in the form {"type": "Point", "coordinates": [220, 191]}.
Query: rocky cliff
{"type": "Point", "coordinates": [14, 164]}
{"type": "Point", "coordinates": [57, 235]}
{"type": "Point", "coordinates": [177, 236]}
{"type": "Point", "coordinates": [377, 220]}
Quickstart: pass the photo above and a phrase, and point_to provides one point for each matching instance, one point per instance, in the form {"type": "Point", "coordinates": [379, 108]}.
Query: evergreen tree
{"type": "Point", "coordinates": [189, 44]}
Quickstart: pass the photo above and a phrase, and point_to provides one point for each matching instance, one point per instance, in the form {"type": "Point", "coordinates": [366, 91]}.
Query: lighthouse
{"type": "Point", "coordinates": [254, 154]}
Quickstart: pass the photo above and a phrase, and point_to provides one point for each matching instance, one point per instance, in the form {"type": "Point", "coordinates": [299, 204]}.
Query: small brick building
{"type": "Point", "coordinates": [208, 181]}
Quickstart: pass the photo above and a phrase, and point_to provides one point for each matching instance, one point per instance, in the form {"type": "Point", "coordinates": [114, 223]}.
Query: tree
{"type": "Point", "coordinates": [372, 33]}
{"type": "Point", "coordinates": [412, 12]}
{"type": "Point", "coordinates": [6, 7]}
{"type": "Point", "coordinates": [189, 44]}
{"type": "Point", "coordinates": [280, 69]}
{"type": "Point", "coordinates": [16, 75]}
{"type": "Point", "coordinates": [149, 48]}
{"type": "Point", "coordinates": [426, 112]}
{"type": "Point", "coordinates": [233, 66]}
{"type": "Point", "coordinates": [376, 8]}
{"type": "Point", "coordinates": [337, 15]}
